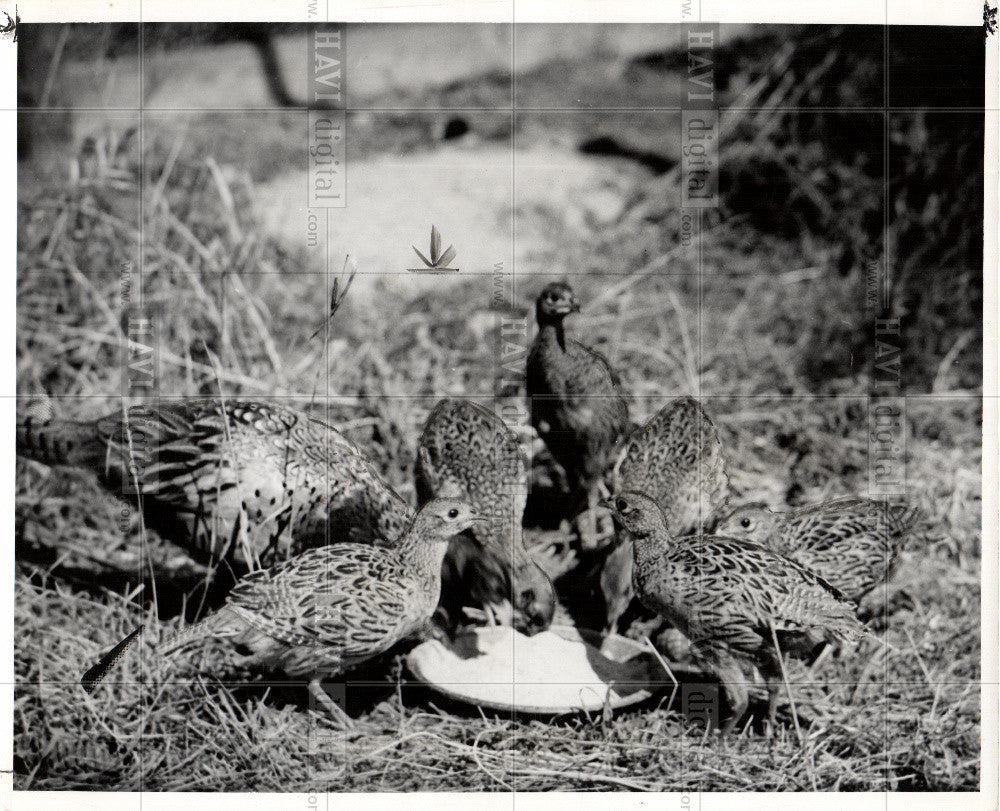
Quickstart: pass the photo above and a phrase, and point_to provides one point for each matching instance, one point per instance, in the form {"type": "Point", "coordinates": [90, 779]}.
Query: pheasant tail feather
{"type": "Point", "coordinates": [93, 677]}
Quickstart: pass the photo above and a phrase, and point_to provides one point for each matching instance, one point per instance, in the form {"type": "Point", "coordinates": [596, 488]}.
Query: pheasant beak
{"type": "Point", "coordinates": [567, 306]}
{"type": "Point", "coordinates": [607, 504]}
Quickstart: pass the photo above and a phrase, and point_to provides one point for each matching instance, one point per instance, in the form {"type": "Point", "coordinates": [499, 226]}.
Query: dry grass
{"type": "Point", "coordinates": [905, 716]}
{"type": "Point", "coordinates": [907, 720]}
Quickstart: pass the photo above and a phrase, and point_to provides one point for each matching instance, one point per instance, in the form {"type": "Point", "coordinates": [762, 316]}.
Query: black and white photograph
{"type": "Point", "coordinates": [516, 405]}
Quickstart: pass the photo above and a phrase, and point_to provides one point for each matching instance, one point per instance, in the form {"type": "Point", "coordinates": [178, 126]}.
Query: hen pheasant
{"type": "Point", "coordinates": [734, 600]}
{"type": "Point", "coordinates": [853, 543]}
{"type": "Point", "coordinates": [330, 608]}
{"type": "Point", "coordinates": [467, 451]}
{"type": "Point", "coordinates": [576, 402]}
{"type": "Point", "coordinates": [676, 458]}
{"type": "Point", "coordinates": [222, 478]}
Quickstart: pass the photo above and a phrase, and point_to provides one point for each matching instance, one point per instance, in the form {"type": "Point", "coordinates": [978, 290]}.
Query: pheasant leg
{"type": "Point", "coordinates": [773, 691]}
{"type": "Point", "coordinates": [733, 682]}
{"type": "Point", "coordinates": [336, 712]}
{"type": "Point", "coordinates": [594, 526]}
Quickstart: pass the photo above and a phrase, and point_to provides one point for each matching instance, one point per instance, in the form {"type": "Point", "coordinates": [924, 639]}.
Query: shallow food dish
{"type": "Point", "coordinates": [561, 670]}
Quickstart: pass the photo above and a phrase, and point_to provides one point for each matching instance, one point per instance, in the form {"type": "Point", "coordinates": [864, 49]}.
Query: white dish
{"type": "Point", "coordinates": [561, 670]}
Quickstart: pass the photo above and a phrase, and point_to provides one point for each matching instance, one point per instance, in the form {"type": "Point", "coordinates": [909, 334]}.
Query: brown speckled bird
{"type": "Point", "coordinates": [330, 608]}
{"type": "Point", "coordinates": [852, 543]}
{"type": "Point", "coordinates": [575, 398]}
{"type": "Point", "coordinates": [467, 451]}
{"type": "Point", "coordinates": [677, 459]}
{"type": "Point", "coordinates": [732, 599]}
{"type": "Point", "coordinates": [220, 478]}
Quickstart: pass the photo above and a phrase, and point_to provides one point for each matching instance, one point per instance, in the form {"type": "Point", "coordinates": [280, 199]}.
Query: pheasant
{"type": "Point", "coordinates": [677, 459]}
{"type": "Point", "coordinates": [330, 608]}
{"type": "Point", "coordinates": [737, 602]}
{"type": "Point", "coordinates": [575, 398]}
{"type": "Point", "coordinates": [467, 451]}
{"type": "Point", "coordinates": [223, 477]}
{"type": "Point", "coordinates": [853, 543]}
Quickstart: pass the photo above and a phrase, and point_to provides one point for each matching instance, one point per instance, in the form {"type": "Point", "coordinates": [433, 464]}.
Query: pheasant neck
{"type": "Point", "coordinates": [644, 546]}
{"type": "Point", "coordinates": [552, 333]}
{"type": "Point", "coordinates": [422, 555]}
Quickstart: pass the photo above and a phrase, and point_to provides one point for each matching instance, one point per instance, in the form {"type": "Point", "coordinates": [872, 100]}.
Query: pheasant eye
{"type": "Point", "coordinates": [621, 505]}
{"type": "Point", "coordinates": [453, 513]}
{"type": "Point", "coordinates": [745, 523]}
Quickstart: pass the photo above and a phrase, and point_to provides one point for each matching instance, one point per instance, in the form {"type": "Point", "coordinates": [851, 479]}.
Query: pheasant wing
{"type": "Point", "coordinates": [349, 597]}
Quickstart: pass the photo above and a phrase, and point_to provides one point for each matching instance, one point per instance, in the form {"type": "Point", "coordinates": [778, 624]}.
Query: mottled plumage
{"type": "Point", "coordinates": [333, 607]}
{"type": "Point", "coordinates": [575, 397]}
{"type": "Point", "coordinates": [264, 480]}
{"type": "Point", "coordinates": [467, 451]}
{"type": "Point", "coordinates": [852, 543]}
{"type": "Point", "coordinates": [728, 596]}
{"type": "Point", "coordinates": [676, 458]}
